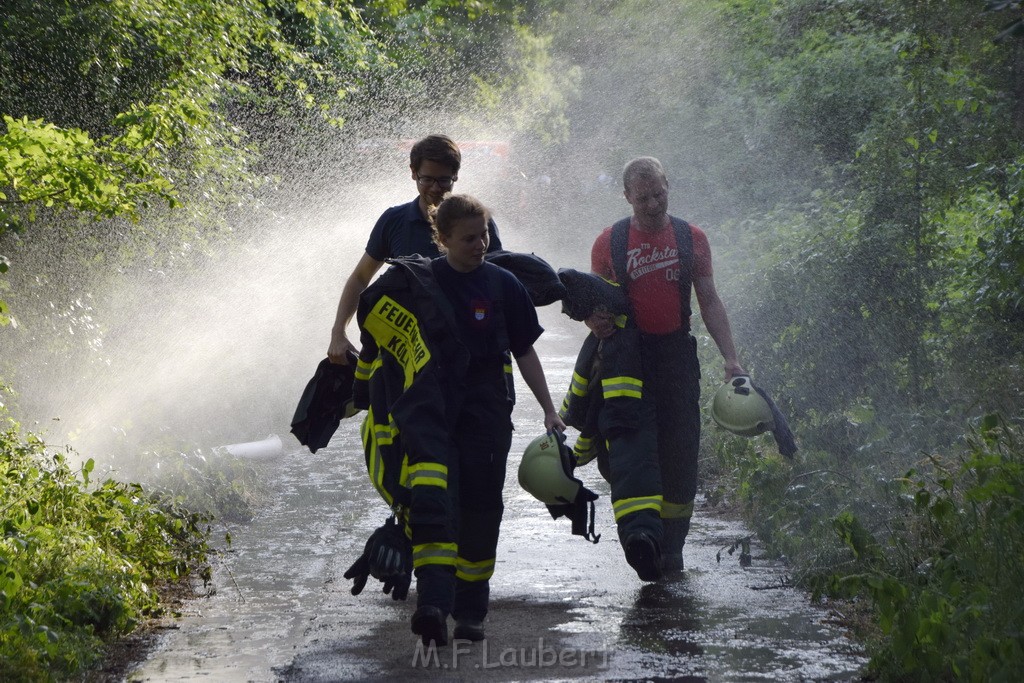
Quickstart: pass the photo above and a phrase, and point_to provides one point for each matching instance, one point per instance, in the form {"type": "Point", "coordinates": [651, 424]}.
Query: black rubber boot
{"type": "Point", "coordinates": [431, 625]}
{"type": "Point", "coordinates": [643, 556]}
{"type": "Point", "coordinates": [467, 629]}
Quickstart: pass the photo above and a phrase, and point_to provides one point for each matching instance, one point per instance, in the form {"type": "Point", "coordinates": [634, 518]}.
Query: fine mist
{"type": "Point", "coordinates": [222, 356]}
{"type": "Point", "coordinates": [209, 360]}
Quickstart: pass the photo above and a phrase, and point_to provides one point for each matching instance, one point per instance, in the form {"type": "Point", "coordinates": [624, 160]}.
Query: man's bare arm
{"type": "Point", "coordinates": [712, 311]}
{"type": "Point", "coordinates": [347, 305]}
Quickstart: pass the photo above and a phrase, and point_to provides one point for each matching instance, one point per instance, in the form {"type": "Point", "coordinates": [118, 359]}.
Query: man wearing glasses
{"type": "Point", "coordinates": [403, 230]}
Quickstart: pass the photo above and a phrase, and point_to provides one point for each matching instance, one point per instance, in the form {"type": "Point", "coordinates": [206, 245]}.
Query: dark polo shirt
{"type": "Point", "coordinates": [403, 231]}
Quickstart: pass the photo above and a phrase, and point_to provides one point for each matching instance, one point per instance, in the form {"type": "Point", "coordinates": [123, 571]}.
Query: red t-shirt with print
{"type": "Point", "coordinates": [652, 266]}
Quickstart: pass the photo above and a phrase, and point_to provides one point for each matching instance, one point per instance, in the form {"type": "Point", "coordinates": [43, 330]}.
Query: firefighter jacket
{"type": "Point", "coordinates": [605, 403]}
{"type": "Point", "coordinates": [408, 378]}
{"type": "Point", "coordinates": [325, 401]}
{"type": "Point", "coordinates": [604, 394]}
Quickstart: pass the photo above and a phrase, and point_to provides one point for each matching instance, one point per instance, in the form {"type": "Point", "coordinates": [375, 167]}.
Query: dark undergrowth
{"type": "Point", "coordinates": [932, 553]}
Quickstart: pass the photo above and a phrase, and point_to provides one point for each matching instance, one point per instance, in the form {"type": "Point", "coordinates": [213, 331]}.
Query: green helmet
{"type": "Point", "coordinates": [738, 408]}
{"type": "Point", "coordinates": [545, 471]}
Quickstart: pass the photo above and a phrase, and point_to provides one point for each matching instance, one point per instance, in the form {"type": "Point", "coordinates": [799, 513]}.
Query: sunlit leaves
{"type": "Point", "coordinates": [113, 107]}
{"type": "Point", "coordinates": [178, 65]}
{"type": "Point", "coordinates": [79, 562]}
{"type": "Point", "coordinates": [40, 162]}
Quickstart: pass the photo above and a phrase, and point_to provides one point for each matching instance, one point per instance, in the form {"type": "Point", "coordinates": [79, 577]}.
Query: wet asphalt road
{"type": "Point", "coordinates": [561, 608]}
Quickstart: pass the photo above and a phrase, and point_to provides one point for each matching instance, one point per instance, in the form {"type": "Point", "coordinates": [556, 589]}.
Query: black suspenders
{"type": "Point", "coordinates": [684, 245]}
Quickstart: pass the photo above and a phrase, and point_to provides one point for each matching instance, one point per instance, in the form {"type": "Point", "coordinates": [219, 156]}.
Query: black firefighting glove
{"type": "Point", "coordinates": [386, 557]}
{"type": "Point", "coordinates": [360, 571]}
{"type": "Point", "coordinates": [398, 586]}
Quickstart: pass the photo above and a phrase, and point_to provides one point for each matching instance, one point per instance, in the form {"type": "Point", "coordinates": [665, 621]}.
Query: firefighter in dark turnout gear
{"type": "Point", "coordinates": [605, 401]}
{"type": "Point", "coordinates": [657, 258]}
{"type": "Point", "coordinates": [438, 429]}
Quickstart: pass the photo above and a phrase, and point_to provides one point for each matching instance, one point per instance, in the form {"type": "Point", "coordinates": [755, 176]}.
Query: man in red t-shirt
{"type": "Point", "coordinates": [671, 372]}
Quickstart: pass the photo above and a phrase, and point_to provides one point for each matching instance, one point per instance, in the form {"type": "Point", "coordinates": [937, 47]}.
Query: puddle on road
{"type": "Point", "coordinates": [283, 612]}
{"type": "Point", "coordinates": [720, 622]}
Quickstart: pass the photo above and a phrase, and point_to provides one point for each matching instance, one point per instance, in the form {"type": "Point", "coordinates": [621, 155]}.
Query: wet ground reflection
{"type": "Point", "coordinates": [283, 612]}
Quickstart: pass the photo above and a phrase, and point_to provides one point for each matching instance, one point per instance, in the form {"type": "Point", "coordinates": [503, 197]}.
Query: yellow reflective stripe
{"type": "Point", "coordinates": [508, 368]}
{"type": "Point", "coordinates": [374, 460]}
{"type": "Point", "coordinates": [434, 553]}
{"type": "Point", "coordinates": [474, 571]}
{"type": "Point", "coordinates": [385, 434]}
{"type": "Point", "coordinates": [397, 331]}
{"type": "Point", "coordinates": [363, 370]}
{"type": "Point", "coordinates": [580, 385]}
{"type": "Point", "coordinates": [620, 320]}
{"type": "Point", "coordinates": [564, 410]}
{"type": "Point", "coordinates": [630, 387]}
{"type": "Point", "coordinates": [428, 474]}
{"type": "Point", "coordinates": [403, 475]}
{"type": "Point", "coordinates": [627, 506]}
{"type": "Point", "coordinates": [676, 510]}
{"type": "Point", "coordinates": [584, 450]}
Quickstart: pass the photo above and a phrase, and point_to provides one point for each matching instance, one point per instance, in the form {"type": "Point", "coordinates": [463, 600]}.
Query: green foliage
{"type": "Point", "coordinates": [41, 163]}
{"type": "Point", "coordinates": [883, 307]}
{"type": "Point", "coordinates": [790, 505]}
{"type": "Point", "coordinates": [215, 483]}
{"type": "Point", "coordinates": [986, 257]}
{"type": "Point", "coordinates": [80, 563]}
{"type": "Point", "coordinates": [947, 593]}
{"type": "Point", "coordinates": [178, 66]}
{"type": "Point", "coordinates": [898, 278]}
{"type": "Point", "coordinates": [936, 551]}
{"type": "Point", "coordinates": [110, 105]}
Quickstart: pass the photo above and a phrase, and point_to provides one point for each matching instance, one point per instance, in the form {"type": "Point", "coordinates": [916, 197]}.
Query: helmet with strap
{"type": "Point", "coordinates": [546, 473]}
{"type": "Point", "coordinates": [739, 408]}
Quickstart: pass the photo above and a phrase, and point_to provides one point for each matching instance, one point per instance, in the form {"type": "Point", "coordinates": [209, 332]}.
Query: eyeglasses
{"type": "Point", "coordinates": [444, 182]}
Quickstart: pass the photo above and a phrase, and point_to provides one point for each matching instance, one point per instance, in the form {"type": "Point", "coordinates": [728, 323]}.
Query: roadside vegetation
{"type": "Point", "coordinates": [929, 556]}
{"type": "Point", "coordinates": [858, 166]}
{"type": "Point", "coordinates": [881, 304]}
{"type": "Point", "coordinates": [82, 562]}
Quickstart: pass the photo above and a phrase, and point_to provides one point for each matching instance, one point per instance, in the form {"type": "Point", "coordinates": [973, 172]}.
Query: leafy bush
{"type": "Point", "coordinates": [948, 589]}
{"type": "Point", "coordinates": [936, 552]}
{"type": "Point", "coordinates": [226, 487]}
{"type": "Point", "coordinates": [789, 505]}
{"type": "Point", "coordinates": [79, 563]}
